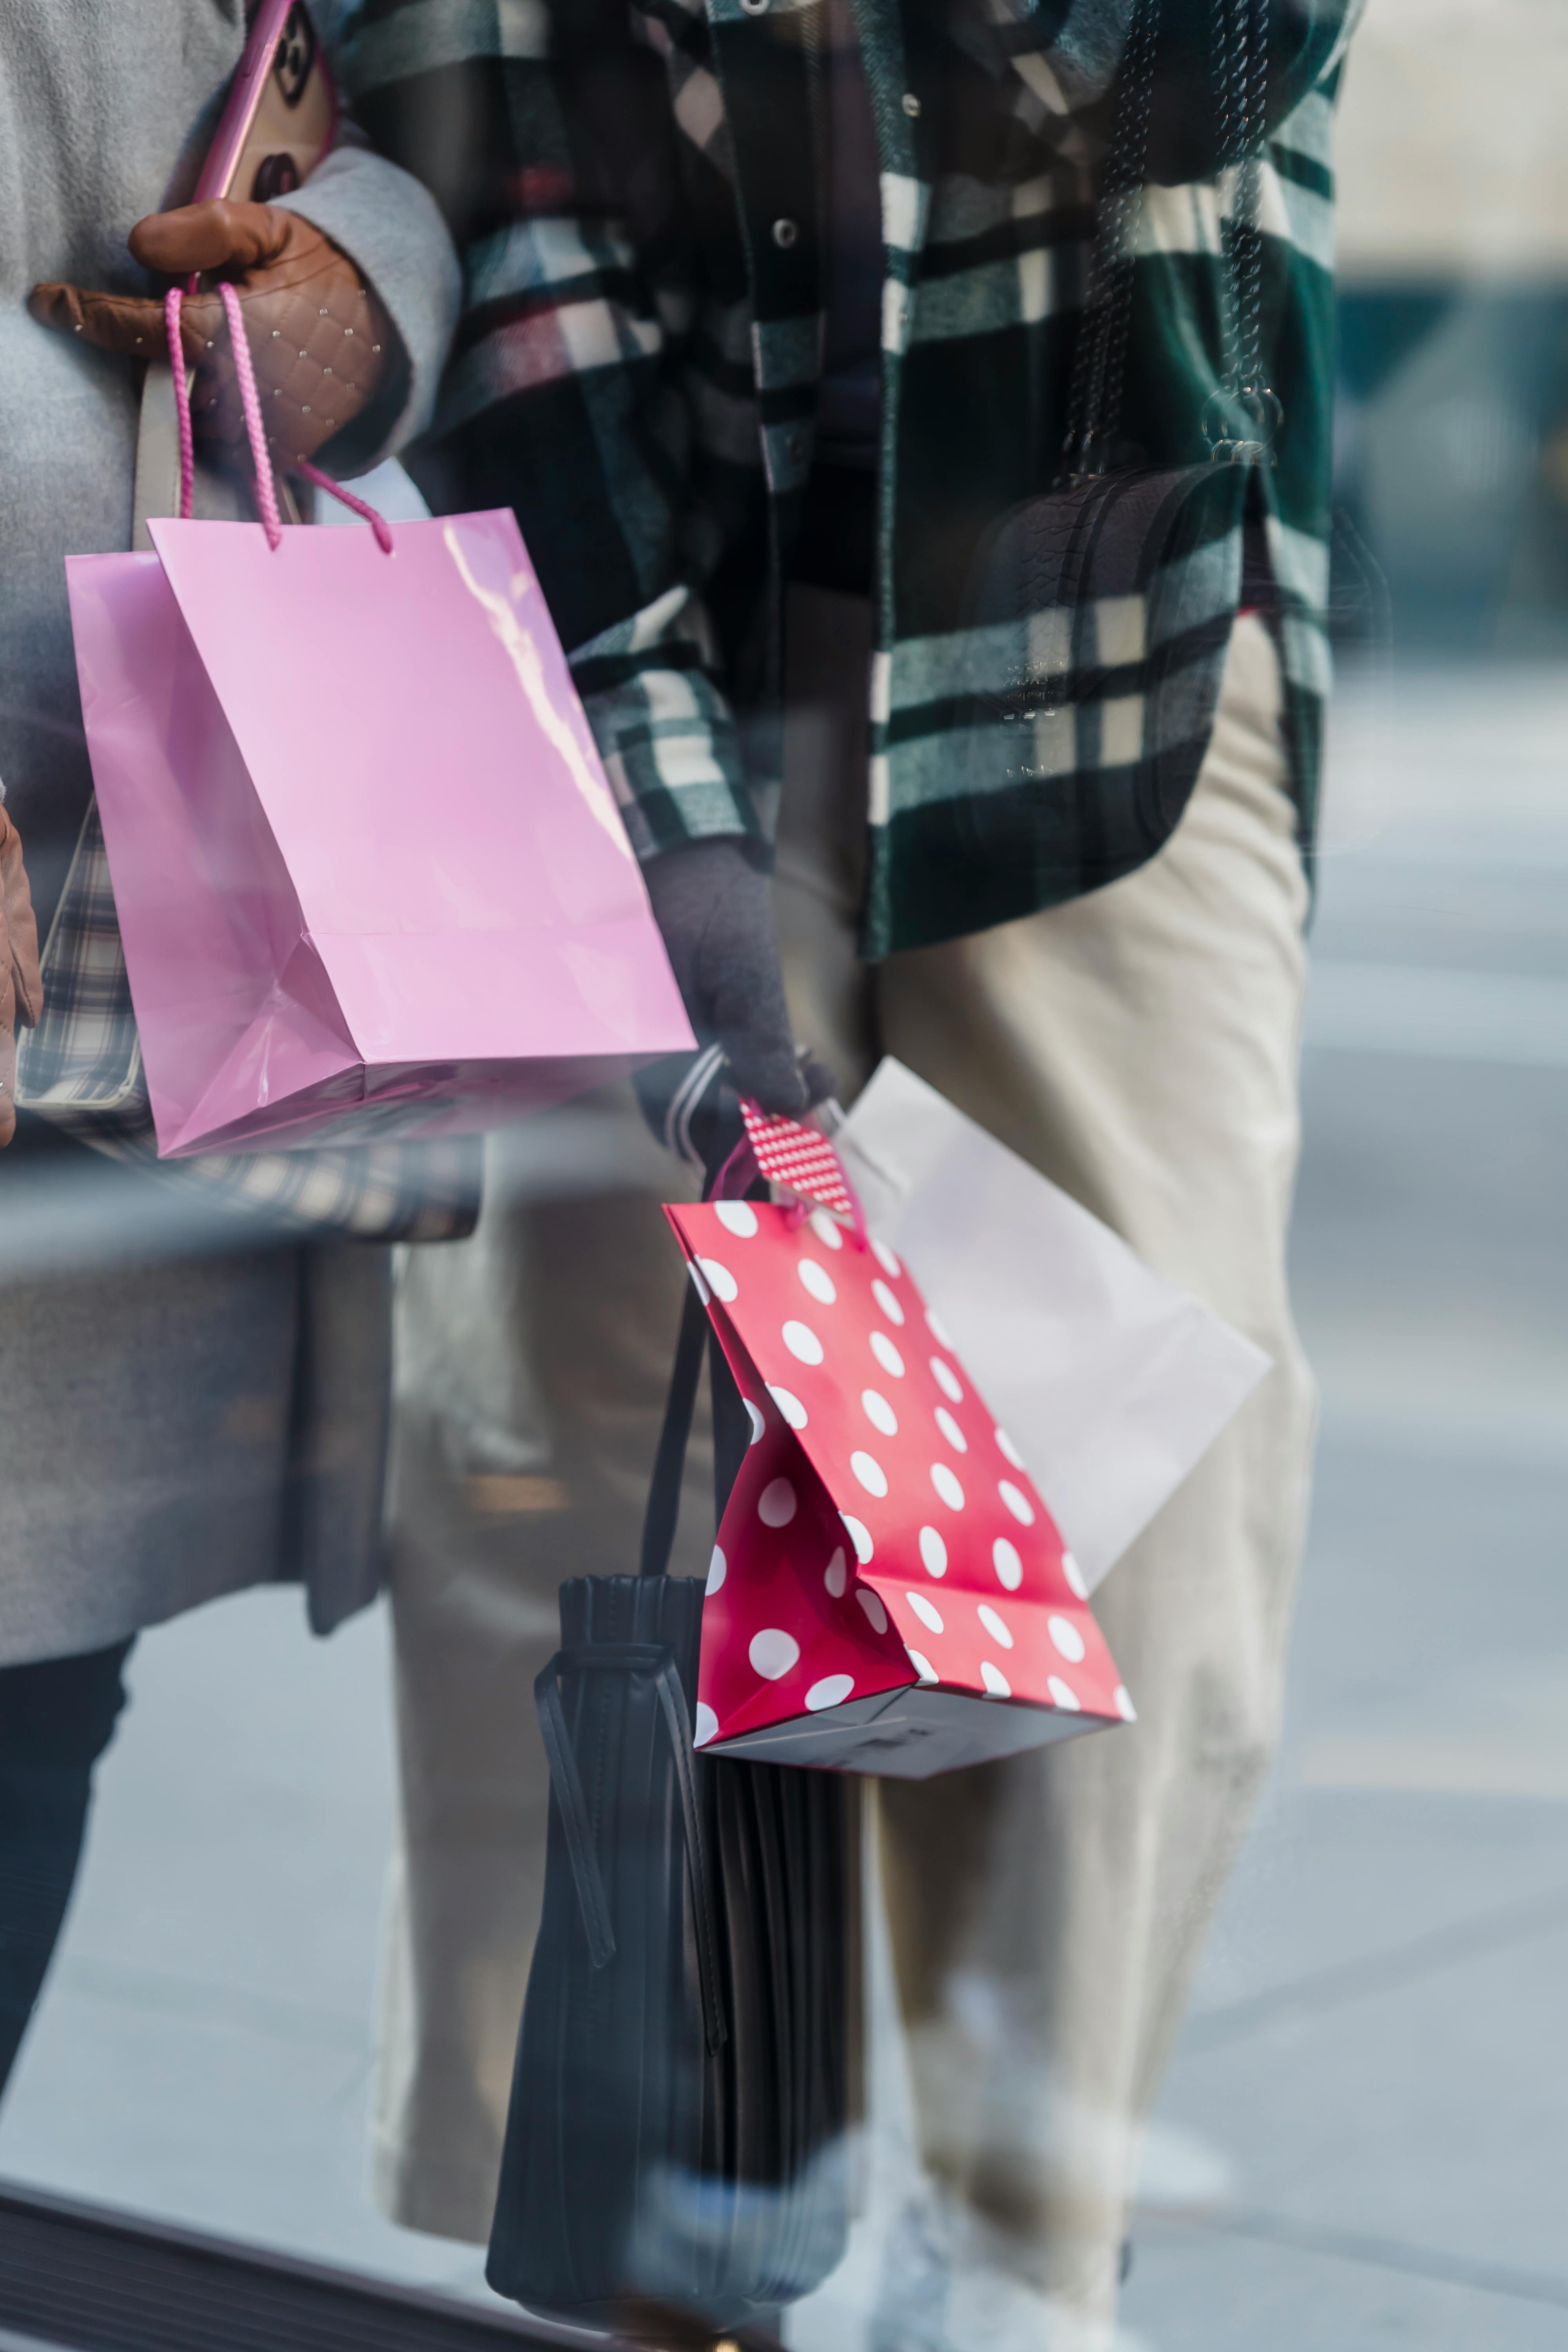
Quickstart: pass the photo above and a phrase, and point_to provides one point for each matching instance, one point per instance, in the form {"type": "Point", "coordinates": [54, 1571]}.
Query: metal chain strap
{"type": "Point", "coordinates": [1128, 201]}
{"type": "Point", "coordinates": [1241, 64]}
{"type": "Point", "coordinates": [1252, 69]}
{"type": "Point", "coordinates": [1094, 401]}
{"type": "Point", "coordinates": [1231, 144]}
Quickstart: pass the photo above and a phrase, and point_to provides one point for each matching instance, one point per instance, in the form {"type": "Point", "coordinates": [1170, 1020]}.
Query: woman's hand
{"type": "Point", "coordinates": [319, 340]}
{"type": "Point", "coordinates": [21, 983]}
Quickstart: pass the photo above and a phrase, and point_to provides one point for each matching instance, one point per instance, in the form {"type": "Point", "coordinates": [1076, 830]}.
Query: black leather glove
{"type": "Point", "coordinates": [712, 906]}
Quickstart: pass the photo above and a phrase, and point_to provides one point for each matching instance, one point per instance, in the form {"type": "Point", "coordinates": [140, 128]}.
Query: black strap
{"type": "Point", "coordinates": [631, 1657]}
{"type": "Point", "coordinates": [659, 1522]}
{"type": "Point", "coordinates": [672, 1698]}
{"type": "Point", "coordinates": [663, 1510]}
{"type": "Point", "coordinates": [591, 1900]}
{"type": "Point", "coordinates": [731, 1427]}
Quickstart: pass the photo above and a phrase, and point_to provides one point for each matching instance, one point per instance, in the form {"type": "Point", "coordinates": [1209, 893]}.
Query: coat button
{"type": "Point", "coordinates": [756, 8]}
{"type": "Point", "coordinates": [909, 101]}
{"type": "Point", "coordinates": [784, 234]}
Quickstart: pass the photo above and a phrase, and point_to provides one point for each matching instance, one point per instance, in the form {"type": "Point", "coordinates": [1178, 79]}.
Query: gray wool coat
{"type": "Point", "coordinates": [182, 1413]}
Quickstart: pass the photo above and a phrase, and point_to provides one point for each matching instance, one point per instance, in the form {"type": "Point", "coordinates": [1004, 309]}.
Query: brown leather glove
{"type": "Point", "coordinates": [319, 339]}
{"type": "Point", "coordinates": [21, 983]}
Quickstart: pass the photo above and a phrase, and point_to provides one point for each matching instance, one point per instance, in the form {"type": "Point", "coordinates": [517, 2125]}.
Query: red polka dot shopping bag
{"type": "Point", "coordinates": [889, 1593]}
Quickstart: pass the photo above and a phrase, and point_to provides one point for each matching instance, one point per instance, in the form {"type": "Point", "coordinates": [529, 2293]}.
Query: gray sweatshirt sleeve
{"type": "Point", "coordinates": [386, 220]}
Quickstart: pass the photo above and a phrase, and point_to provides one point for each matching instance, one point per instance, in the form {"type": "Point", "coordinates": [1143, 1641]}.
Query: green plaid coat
{"type": "Point", "coordinates": [635, 190]}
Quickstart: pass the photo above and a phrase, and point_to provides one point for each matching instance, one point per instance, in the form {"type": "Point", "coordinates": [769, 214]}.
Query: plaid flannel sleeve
{"type": "Point", "coordinates": [546, 135]}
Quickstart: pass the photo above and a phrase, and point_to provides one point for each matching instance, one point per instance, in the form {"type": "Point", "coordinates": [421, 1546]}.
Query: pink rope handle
{"type": "Point", "coordinates": [738, 1174]}
{"type": "Point", "coordinates": [378, 522]}
{"type": "Point", "coordinates": [265, 492]}
{"type": "Point", "coordinates": [171, 301]}
{"type": "Point", "coordinates": [249, 399]}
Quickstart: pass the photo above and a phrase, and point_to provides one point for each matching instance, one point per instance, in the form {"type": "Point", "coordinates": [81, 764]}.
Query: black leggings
{"type": "Point", "coordinates": [56, 1720]}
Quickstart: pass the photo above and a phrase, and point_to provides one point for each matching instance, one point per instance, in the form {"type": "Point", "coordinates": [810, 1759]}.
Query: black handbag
{"type": "Point", "coordinates": [1114, 590]}
{"type": "Point", "coordinates": [676, 2137]}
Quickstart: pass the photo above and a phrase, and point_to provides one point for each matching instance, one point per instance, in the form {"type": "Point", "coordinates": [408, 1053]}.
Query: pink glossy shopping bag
{"type": "Point", "coordinates": [889, 1593]}
{"type": "Point", "coordinates": [368, 872]}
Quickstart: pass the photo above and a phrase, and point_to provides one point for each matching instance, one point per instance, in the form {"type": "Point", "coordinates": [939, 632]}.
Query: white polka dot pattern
{"type": "Point", "coordinates": [879, 1411]}
{"type": "Point", "coordinates": [858, 1509]}
{"type": "Point", "coordinates": [933, 1552]}
{"type": "Point", "coordinates": [790, 1406]}
{"type": "Point", "coordinates": [831, 1691]}
{"type": "Point", "coordinates": [950, 1430]}
{"type": "Point", "coordinates": [996, 1624]}
{"type": "Point", "coordinates": [705, 1725]}
{"type": "Point", "coordinates": [818, 1281]}
{"type": "Point", "coordinates": [870, 1474]}
{"type": "Point", "coordinates": [778, 1507]}
{"type": "Point", "coordinates": [719, 1280]}
{"type": "Point", "coordinates": [947, 1485]}
{"type": "Point", "coordinates": [1066, 1637]}
{"type": "Point", "coordinates": [774, 1652]}
{"type": "Point", "coordinates": [803, 1343]}
{"type": "Point", "coordinates": [887, 1302]}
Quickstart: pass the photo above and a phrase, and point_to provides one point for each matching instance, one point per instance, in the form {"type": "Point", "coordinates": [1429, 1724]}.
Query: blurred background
{"type": "Point", "coordinates": [1452, 428]}
{"type": "Point", "coordinates": [1365, 2135]}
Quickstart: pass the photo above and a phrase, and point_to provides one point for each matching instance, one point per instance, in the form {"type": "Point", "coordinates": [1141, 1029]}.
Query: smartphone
{"type": "Point", "coordinates": [277, 122]}
{"type": "Point", "coordinates": [280, 114]}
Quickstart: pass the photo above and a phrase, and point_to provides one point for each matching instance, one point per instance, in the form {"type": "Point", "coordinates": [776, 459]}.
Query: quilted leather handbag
{"type": "Point", "coordinates": [676, 2139]}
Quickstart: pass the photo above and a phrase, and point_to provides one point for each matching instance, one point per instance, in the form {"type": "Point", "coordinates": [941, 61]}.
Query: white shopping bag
{"type": "Point", "coordinates": [1112, 1382]}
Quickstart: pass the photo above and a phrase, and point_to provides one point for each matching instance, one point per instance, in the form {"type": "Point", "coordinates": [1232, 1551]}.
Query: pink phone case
{"type": "Point", "coordinates": [281, 111]}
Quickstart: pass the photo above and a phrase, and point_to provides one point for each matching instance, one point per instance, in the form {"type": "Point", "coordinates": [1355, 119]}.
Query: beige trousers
{"type": "Point", "coordinates": [1138, 1046]}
